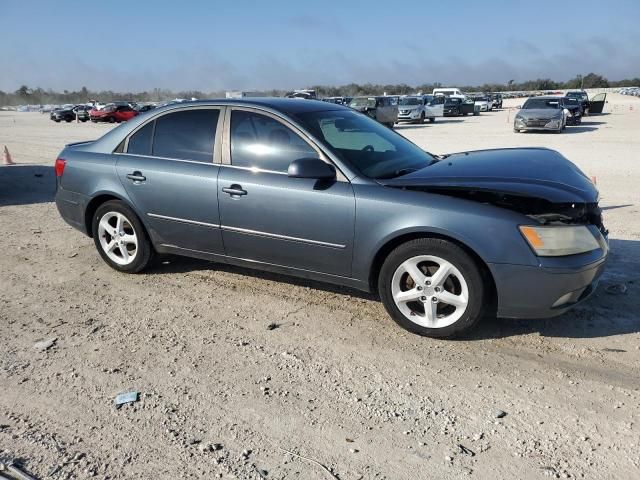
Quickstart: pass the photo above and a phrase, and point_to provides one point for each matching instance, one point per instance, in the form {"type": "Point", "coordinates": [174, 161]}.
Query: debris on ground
{"type": "Point", "coordinates": [15, 472]}
{"type": "Point", "coordinates": [128, 397]}
{"type": "Point", "coordinates": [499, 413]}
{"type": "Point", "coordinates": [45, 344]}
{"type": "Point", "coordinates": [465, 450]}
{"type": "Point", "coordinates": [273, 326]}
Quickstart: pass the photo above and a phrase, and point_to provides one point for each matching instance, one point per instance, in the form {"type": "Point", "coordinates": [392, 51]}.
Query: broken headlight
{"type": "Point", "coordinates": [559, 240]}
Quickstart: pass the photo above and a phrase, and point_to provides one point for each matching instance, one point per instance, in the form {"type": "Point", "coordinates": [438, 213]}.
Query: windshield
{"type": "Point", "coordinates": [363, 102]}
{"type": "Point", "coordinates": [410, 101]}
{"type": "Point", "coordinates": [368, 146]}
{"type": "Point", "coordinates": [541, 103]}
{"type": "Point", "coordinates": [580, 95]}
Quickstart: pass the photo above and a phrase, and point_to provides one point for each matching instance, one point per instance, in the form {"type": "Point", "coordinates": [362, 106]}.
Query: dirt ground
{"type": "Point", "coordinates": [224, 396]}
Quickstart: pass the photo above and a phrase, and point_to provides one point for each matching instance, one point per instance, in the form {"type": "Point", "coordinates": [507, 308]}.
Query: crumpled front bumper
{"type": "Point", "coordinates": [541, 292]}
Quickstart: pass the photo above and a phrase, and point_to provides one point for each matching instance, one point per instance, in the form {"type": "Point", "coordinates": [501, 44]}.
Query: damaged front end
{"type": "Point", "coordinates": [538, 209]}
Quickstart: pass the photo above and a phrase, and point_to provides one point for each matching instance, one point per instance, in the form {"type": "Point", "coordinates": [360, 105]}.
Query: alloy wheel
{"type": "Point", "coordinates": [118, 238]}
{"type": "Point", "coordinates": [430, 291]}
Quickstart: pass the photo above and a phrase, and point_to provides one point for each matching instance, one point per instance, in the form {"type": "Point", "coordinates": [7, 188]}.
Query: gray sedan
{"type": "Point", "coordinates": [321, 191]}
{"type": "Point", "coordinates": [541, 113]}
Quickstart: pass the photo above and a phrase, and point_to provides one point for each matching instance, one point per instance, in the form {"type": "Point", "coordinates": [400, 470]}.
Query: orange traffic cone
{"type": "Point", "coordinates": [6, 157]}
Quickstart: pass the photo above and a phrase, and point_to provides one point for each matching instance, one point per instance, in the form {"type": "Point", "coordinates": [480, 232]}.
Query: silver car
{"type": "Point", "coordinates": [541, 113]}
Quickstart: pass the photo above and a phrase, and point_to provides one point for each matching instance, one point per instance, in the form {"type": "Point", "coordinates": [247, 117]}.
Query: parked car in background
{"type": "Point", "coordinates": [141, 108]}
{"type": "Point", "coordinates": [497, 100]}
{"type": "Point", "coordinates": [456, 106]}
{"type": "Point", "coordinates": [323, 192]}
{"type": "Point", "coordinates": [581, 96]}
{"type": "Point", "coordinates": [113, 113]}
{"type": "Point", "coordinates": [448, 92]}
{"type": "Point", "coordinates": [378, 108]}
{"type": "Point", "coordinates": [541, 113]}
{"type": "Point", "coordinates": [574, 109]}
{"type": "Point", "coordinates": [418, 108]}
{"type": "Point", "coordinates": [69, 114]}
{"type": "Point", "coordinates": [484, 103]}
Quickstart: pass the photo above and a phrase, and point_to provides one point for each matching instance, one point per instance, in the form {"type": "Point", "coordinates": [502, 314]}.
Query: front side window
{"type": "Point", "coordinates": [261, 142]}
{"type": "Point", "coordinates": [186, 135]}
{"type": "Point", "coordinates": [371, 148]}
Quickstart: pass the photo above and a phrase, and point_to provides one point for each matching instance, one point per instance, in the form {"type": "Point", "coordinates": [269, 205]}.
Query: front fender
{"type": "Point", "coordinates": [384, 214]}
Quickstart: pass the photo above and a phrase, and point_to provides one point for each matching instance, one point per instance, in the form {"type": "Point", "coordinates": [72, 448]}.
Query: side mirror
{"type": "Point", "coordinates": [311, 168]}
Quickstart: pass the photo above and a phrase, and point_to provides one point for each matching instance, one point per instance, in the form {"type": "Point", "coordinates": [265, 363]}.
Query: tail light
{"type": "Point", "coordinates": [59, 168]}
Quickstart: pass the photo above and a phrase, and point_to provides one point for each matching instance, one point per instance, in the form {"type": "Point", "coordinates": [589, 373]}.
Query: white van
{"type": "Point", "coordinates": [449, 92]}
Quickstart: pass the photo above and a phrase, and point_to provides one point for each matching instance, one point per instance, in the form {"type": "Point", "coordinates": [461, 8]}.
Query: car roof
{"type": "Point", "coordinates": [283, 105]}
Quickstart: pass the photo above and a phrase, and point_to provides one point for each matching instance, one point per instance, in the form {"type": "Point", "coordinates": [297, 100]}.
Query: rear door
{"type": "Point", "coordinates": [267, 216]}
{"type": "Point", "coordinates": [596, 105]}
{"type": "Point", "coordinates": [169, 169]}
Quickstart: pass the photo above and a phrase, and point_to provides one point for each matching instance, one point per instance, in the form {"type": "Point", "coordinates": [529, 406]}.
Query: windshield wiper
{"type": "Point", "coordinates": [399, 173]}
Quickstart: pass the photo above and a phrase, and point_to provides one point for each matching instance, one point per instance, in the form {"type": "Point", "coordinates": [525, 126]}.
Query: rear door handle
{"type": "Point", "coordinates": [136, 176]}
{"type": "Point", "coordinates": [234, 189]}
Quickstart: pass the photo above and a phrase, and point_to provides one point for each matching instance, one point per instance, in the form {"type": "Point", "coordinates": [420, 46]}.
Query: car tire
{"type": "Point", "coordinates": [57, 120]}
{"type": "Point", "coordinates": [68, 119]}
{"type": "Point", "coordinates": [516, 130]}
{"type": "Point", "coordinates": [128, 250]}
{"type": "Point", "coordinates": [463, 285]}
{"type": "Point", "coordinates": [112, 119]}
{"type": "Point", "coordinates": [421, 118]}
{"type": "Point", "coordinates": [432, 119]}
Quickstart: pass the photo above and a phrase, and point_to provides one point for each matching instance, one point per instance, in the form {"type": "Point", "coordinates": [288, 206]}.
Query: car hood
{"type": "Point", "coordinates": [540, 113]}
{"type": "Point", "coordinates": [524, 172]}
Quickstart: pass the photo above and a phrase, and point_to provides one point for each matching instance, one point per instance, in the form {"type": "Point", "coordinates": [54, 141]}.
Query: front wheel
{"type": "Point", "coordinates": [432, 287]}
{"type": "Point", "coordinates": [432, 119]}
{"type": "Point", "coordinates": [112, 120]}
{"type": "Point", "coordinates": [120, 237]}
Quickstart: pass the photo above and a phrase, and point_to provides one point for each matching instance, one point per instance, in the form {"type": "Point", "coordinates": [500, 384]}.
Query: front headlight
{"type": "Point", "coordinates": [556, 241]}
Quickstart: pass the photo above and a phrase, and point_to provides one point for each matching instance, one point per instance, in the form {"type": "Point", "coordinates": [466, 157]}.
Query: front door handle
{"type": "Point", "coordinates": [234, 189]}
{"type": "Point", "coordinates": [136, 176]}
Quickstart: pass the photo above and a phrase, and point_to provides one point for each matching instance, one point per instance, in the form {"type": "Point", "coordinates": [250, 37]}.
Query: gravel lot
{"type": "Point", "coordinates": [224, 396]}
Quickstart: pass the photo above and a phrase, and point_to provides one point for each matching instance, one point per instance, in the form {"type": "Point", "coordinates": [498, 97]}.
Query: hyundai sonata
{"type": "Point", "coordinates": [319, 190]}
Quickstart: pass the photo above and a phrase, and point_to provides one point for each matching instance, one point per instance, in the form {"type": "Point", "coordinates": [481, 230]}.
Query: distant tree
{"type": "Point", "coordinates": [593, 80]}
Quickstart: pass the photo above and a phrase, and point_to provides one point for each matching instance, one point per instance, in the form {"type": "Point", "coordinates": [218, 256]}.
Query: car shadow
{"type": "Point", "coordinates": [170, 264]}
{"type": "Point", "coordinates": [587, 121]}
{"type": "Point", "coordinates": [610, 311]}
{"type": "Point", "coordinates": [26, 184]}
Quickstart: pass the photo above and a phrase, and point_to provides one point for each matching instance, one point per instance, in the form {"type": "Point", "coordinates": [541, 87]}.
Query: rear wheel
{"type": "Point", "coordinates": [432, 119]}
{"type": "Point", "coordinates": [432, 287]}
{"type": "Point", "coordinates": [112, 120]}
{"type": "Point", "coordinates": [120, 237]}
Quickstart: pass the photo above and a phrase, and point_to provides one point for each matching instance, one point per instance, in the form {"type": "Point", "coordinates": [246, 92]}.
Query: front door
{"type": "Point", "coordinates": [435, 108]}
{"type": "Point", "coordinates": [169, 173]}
{"type": "Point", "coordinates": [268, 217]}
{"type": "Point", "coordinates": [596, 104]}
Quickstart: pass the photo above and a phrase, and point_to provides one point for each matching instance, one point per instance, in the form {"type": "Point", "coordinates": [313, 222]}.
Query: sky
{"type": "Point", "coordinates": [241, 45]}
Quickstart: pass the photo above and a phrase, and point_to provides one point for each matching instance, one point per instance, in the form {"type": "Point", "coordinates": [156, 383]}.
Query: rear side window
{"type": "Point", "coordinates": [258, 141]}
{"type": "Point", "coordinates": [140, 142]}
{"type": "Point", "coordinates": [186, 135]}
